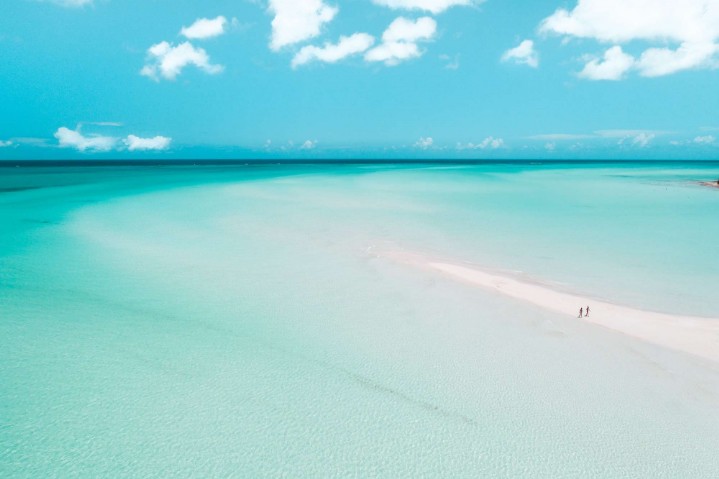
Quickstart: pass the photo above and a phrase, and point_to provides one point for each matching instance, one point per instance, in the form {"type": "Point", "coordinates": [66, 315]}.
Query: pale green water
{"type": "Point", "coordinates": [217, 322]}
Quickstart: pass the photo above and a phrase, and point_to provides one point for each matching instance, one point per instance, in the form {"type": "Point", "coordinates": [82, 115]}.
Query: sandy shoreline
{"type": "Point", "coordinates": [698, 336]}
{"type": "Point", "coordinates": [710, 184]}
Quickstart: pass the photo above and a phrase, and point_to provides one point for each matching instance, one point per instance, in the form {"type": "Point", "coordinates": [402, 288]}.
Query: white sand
{"type": "Point", "coordinates": [694, 335]}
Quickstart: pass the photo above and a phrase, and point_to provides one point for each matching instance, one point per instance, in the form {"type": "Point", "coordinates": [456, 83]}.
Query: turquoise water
{"type": "Point", "coordinates": [236, 321]}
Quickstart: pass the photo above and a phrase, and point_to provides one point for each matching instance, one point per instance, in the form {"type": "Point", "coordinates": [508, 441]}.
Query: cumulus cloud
{"type": "Point", "coordinates": [492, 143]}
{"type": "Point", "coordinates": [424, 143]}
{"type": "Point", "coordinates": [68, 138]}
{"type": "Point", "coordinates": [619, 21]}
{"type": "Point", "coordinates": [524, 53]}
{"type": "Point", "coordinates": [168, 61]}
{"type": "Point", "coordinates": [489, 143]}
{"type": "Point", "coordinates": [687, 30]}
{"type": "Point", "coordinates": [5, 143]}
{"type": "Point", "coordinates": [135, 143]}
{"type": "Point", "coordinates": [638, 138]}
{"type": "Point", "coordinates": [705, 140]}
{"type": "Point", "coordinates": [298, 20]}
{"type": "Point", "coordinates": [308, 145]}
{"type": "Point", "coordinates": [656, 62]}
{"type": "Point", "coordinates": [641, 140]}
{"type": "Point", "coordinates": [612, 67]}
{"type": "Point", "coordinates": [331, 53]}
{"type": "Point", "coordinates": [399, 41]}
{"type": "Point", "coordinates": [626, 133]}
{"type": "Point", "coordinates": [434, 6]}
{"type": "Point", "coordinates": [205, 28]}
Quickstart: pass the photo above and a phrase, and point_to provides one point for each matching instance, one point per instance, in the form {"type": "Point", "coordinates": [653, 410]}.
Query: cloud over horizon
{"type": "Point", "coordinates": [135, 143]}
{"type": "Point", "coordinates": [68, 138]}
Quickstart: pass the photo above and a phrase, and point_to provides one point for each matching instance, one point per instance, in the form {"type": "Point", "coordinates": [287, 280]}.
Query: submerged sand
{"type": "Point", "coordinates": [698, 336]}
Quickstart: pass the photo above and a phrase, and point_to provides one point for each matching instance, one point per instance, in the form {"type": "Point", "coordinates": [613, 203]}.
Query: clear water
{"type": "Point", "coordinates": [234, 321]}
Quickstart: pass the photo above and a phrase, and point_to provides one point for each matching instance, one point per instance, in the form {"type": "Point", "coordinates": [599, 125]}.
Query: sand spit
{"type": "Point", "coordinates": [698, 336]}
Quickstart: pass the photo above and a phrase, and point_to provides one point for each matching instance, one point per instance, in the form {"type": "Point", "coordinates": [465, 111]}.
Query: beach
{"type": "Point", "coordinates": [367, 320]}
{"type": "Point", "coordinates": [698, 336]}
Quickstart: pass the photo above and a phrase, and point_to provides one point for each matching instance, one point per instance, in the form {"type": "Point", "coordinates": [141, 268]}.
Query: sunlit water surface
{"type": "Point", "coordinates": [242, 321]}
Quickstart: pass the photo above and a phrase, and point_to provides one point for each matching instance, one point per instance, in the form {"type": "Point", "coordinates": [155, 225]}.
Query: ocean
{"type": "Point", "coordinates": [240, 320]}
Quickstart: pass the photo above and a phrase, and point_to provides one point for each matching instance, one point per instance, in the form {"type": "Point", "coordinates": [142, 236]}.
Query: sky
{"type": "Point", "coordinates": [457, 79]}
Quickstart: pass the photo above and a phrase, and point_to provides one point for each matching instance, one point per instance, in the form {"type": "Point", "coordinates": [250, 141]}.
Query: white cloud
{"type": "Point", "coordinates": [638, 138]}
{"type": "Point", "coordinates": [424, 143]}
{"type": "Point", "coordinates": [434, 6]}
{"type": "Point", "coordinates": [641, 140]}
{"type": "Point", "coordinates": [404, 30]}
{"type": "Point", "coordinates": [489, 143]}
{"type": "Point", "coordinates": [5, 144]}
{"type": "Point", "coordinates": [705, 140]}
{"type": "Point", "coordinates": [656, 62]}
{"type": "Point", "coordinates": [524, 53]}
{"type": "Point", "coordinates": [331, 53]}
{"type": "Point", "coordinates": [612, 67]}
{"type": "Point", "coordinates": [68, 138]}
{"type": "Point", "coordinates": [619, 21]}
{"type": "Point", "coordinates": [75, 139]}
{"type": "Point", "coordinates": [691, 25]}
{"type": "Point", "coordinates": [205, 28]}
{"type": "Point", "coordinates": [308, 145]}
{"type": "Point", "coordinates": [298, 20]}
{"type": "Point", "coordinates": [168, 61]}
{"type": "Point", "coordinates": [135, 143]}
{"type": "Point", "coordinates": [399, 41]}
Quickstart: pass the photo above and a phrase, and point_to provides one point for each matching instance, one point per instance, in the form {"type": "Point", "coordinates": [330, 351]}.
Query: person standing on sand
{"type": "Point", "coordinates": [581, 310]}
{"type": "Point", "coordinates": [586, 315]}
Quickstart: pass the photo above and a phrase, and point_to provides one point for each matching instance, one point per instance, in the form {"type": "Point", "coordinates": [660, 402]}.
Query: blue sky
{"type": "Point", "coordinates": [359, 79]}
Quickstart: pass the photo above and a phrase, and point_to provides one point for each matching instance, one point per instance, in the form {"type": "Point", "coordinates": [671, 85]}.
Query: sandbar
{"type": "Point", "coordinates": [698, 336]}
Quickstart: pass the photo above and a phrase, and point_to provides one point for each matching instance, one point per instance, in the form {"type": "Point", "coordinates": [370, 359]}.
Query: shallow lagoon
{"type": "Point", "coordinates": [221, 321]}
